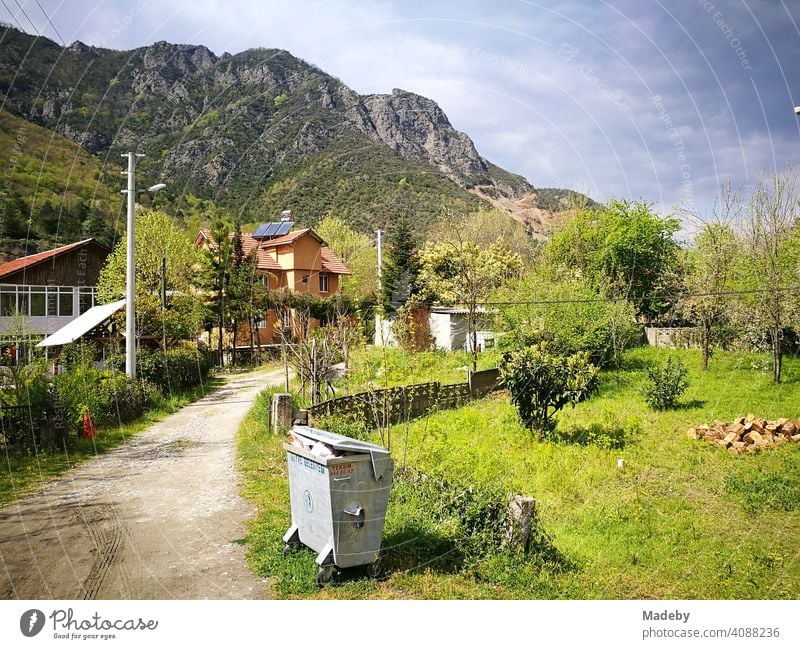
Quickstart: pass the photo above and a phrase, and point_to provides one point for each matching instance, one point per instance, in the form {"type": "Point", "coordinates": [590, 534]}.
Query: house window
{"type": "Point", "coordinates": [8, 301]}
{"type": "Point", "coordinates": [52, 300]}
{"type": "Point", "coordinates": [87, 298]}
{"type": "Point", "coordinates": [323, 282]}
{"type": "Point", "coordinates": [38, 301]}
{"type": "Point", "coordinates": [305, 279]}
{"type": "Point", "coordinates": [64, 301]}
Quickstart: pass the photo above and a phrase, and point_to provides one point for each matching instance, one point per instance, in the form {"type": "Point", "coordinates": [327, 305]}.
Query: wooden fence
{"type": "Point", "coordinates": [381, 408]}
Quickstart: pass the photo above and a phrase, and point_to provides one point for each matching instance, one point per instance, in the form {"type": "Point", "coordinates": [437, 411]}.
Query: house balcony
{"type": "Point", "coordinates": [41, 310]}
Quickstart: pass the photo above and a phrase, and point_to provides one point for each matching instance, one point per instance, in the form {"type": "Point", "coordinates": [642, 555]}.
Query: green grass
{"type": "Point", "coordinates": [681, 519]}
{"type": "Point", "coordinates": [25, 473]}
{"type": "Point", "coordinates": [380, 367]}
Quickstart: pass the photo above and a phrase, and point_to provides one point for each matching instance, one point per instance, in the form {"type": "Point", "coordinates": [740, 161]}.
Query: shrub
{"type": "Point", "coordinates": [568, 316]}
{"type": "Point", "coordinates": [454, 523]}
{"type": "Point", "coordinates": [412, 327]}
{"type": "Point", "coordinates": [108, 397]}
{"type": "Point", "coordinates": [665, 384]}
{"type": "Point", "coordinates": [175, 370]}
{"type": "Point", "coordinates": [542, 384]}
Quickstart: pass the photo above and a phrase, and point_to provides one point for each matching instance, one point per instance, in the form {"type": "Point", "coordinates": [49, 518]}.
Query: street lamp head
{"type": "Point", "coordinates": [797, 110]}
{"type": "Point", "coordinates": [156, 188]}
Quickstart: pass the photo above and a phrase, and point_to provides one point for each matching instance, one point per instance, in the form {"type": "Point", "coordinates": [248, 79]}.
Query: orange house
{"type": "Point", "coordinates": [298, 261]}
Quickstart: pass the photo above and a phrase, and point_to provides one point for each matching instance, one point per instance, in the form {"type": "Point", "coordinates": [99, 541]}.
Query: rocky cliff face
{"type": "Point", "coordinates": [416, 128]}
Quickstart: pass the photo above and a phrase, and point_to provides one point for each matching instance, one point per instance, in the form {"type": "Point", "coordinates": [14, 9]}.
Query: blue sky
{"type": "Point", "coordinates": [634, 98]}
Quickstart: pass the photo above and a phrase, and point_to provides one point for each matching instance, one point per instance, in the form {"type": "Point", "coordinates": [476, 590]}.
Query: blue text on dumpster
{"type": "Point", "coordinates": [307, 464]}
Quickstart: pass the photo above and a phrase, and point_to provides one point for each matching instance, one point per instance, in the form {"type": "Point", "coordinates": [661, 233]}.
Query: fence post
{"type": "Point", "coordinates": [281, 412]}
{"type": "Point", "coordinates": [521, 515]}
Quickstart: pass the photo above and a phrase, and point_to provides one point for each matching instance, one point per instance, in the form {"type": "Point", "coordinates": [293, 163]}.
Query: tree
{"type": "Point", "coordinates": [357, 251]}
{"type": "Point", "coordinates": [623, 249]}
{"type": "Point", "coordinates": [459, 272]}
{"type": "Point", "coordinates": [542, 384]}
{"type": "Point", "coordinates": [401, 266]}
{"type": "Point", "coordinates": [712, 271]}
{"type": "Point", "coordinates": [157, 237]}
{"type": "Point", "coordinates": [561, 310]}
{"type": "Point", "coordinates": [712, 265]}
{"type": "Point", "coordinates": [772, 236]}
{"type": "Point", "coordinates": [217, 275]}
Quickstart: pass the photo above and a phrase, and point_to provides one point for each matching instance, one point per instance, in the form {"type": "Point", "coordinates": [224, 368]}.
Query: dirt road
{"type": "Point", "coordinates": [157, 518]}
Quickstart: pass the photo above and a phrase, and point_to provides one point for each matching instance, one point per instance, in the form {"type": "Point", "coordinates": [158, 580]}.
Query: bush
{"type": "Point", "coordinates": [444, 521]}
{"type": "Point", "coordinates": [542, 384]}
{"type": "Point", "coordinates": [109, 398]}
{"type": "Point", "coordinates": [175, 370]}
{"type": "Point", "coordinates": [568, 316]}
{"type": "Point", "coordinates": [665, 384]}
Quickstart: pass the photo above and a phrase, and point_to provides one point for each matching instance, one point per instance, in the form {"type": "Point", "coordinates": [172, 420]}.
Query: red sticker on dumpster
{"type": "Point", "coordinates": [341, 469]}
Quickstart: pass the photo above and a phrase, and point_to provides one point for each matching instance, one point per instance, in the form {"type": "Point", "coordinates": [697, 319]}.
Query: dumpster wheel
{"type": "Point", "coordinates": [324, 575]}
{"type": "Point", "coordinates": [374, 568]}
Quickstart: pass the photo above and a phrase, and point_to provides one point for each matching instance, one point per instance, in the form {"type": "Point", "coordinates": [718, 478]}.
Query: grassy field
{"type": "Point", "coordinates": [25, 473]}
{"type": "Point", "coordinates": [681, 519]}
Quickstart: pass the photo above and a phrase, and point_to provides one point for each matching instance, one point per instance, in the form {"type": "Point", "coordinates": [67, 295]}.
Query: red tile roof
{"type": "Point", "coordinates": [331, 263]}
{"type": "Point", "coordinates": [24, 263]}
{"type": "Point", "coordinates": [264, 261]}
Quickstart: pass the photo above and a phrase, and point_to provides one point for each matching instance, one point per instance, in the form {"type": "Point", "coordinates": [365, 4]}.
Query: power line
{"type": "Point", "coordinates": [26, 16]}
{"type": "Point", "coordinates": [63, 42]}
{"type": "Point", "coordinates": [11, 15]}
{"type": "Point", "coordinates": [669, 297]}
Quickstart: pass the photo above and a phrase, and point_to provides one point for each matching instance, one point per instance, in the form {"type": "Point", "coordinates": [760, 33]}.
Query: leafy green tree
{"type": "Point", "coordinates": [357, 251]}
{"type": "Point", "coordinates": [712, 265]}
{"type": "Point", "coordinates": [623, 249]}
{"type": "Point", "coordinates": [245, 294]}
{"type": "Point", "coordinates": [156, 238]}
{"type": "Point", "coordinates": [460, 272]}
{"type": "Point", "coordinates": [561, 310]}
{"type": "Point", "coordinates": [541, 384]}
{"type": "Point", "coordinates": [217, 259]}
{"type": "Point", "coordinates": [772, 237]}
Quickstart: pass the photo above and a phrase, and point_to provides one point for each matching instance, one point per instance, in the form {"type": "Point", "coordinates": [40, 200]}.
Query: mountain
{"type": "Point", "coordinates": [52, 191]}
{"type": "Point", "coordinates": [259, 131]}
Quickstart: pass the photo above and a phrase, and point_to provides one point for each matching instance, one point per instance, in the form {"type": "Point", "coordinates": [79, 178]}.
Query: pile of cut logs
{"type": "Point", "coordinates": [748, 433]}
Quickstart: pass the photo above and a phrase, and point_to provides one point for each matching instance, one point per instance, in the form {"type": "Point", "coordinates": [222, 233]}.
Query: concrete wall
{"type": "Point", "coordinates": [673, 337]}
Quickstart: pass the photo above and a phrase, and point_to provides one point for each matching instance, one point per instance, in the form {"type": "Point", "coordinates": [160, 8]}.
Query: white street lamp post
{"type": "Point", "coordinates": [130, 270]}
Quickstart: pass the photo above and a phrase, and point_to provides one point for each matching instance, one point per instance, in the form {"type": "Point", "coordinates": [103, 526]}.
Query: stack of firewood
{"type": "Point", "coordinates": [748, 433]}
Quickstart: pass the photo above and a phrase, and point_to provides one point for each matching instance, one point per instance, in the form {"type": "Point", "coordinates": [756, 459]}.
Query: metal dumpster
{"type": "Point", "coordinates": [339, 490]}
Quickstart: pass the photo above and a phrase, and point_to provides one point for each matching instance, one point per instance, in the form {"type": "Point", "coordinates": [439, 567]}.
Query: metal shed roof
{"type": "Point", "coordinates": [82, 324]}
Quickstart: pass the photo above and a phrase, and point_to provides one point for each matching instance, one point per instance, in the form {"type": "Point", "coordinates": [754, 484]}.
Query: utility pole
{"type": "Point", "coordinates": [379, 233]}
{"type": "Point", "coordinates": [379, 314]}
{"type": "Point", "coordinates": [130, 273]}
{"type": "Point", "coordinates": [130, 269]}
{"type": "Point", "coordinates": [164, 302]}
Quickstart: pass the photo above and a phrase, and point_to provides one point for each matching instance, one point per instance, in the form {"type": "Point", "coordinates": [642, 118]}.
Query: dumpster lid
{"type": "Point", "coordinates": [339, 442]}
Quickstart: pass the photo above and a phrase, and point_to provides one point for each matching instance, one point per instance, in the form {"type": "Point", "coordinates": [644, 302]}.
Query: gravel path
{"type": "Point", "coordinates": [156, 518]}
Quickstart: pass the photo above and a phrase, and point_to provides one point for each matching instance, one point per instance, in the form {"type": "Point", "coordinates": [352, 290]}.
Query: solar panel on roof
{"type": "Point", "coordinates": [271, 230]}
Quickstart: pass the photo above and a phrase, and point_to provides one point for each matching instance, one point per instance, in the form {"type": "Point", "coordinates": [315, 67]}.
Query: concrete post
{"type": "Point", "coordinates": [281, 412]}
{"type": "Point", "coordinates": [521, 517]}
